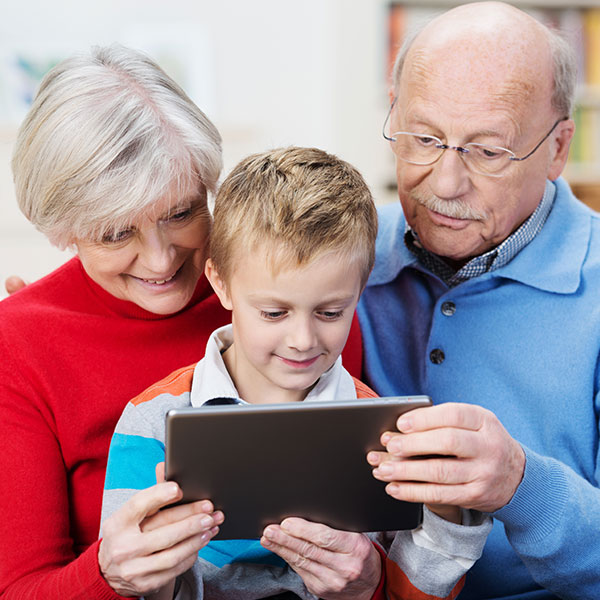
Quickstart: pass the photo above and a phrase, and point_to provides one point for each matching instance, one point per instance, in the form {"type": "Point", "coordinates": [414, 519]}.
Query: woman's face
{"type": "Point", "coordinates": [155, 263]}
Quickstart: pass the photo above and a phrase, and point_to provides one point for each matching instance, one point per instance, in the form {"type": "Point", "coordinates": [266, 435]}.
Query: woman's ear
{"type": "Point", "coordinates": [217, 284]}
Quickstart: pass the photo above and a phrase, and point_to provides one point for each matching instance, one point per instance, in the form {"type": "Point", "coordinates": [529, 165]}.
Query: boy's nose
{"type": "Point", "coordinates": [302, 335]}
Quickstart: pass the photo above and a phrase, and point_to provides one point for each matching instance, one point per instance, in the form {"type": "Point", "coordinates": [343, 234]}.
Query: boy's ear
{"type": "Point", "coordinates": [217, 284]}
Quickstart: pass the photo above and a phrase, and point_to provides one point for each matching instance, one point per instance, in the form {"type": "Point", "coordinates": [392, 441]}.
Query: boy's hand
{"type": "Point", "coordinates": [334, 565]}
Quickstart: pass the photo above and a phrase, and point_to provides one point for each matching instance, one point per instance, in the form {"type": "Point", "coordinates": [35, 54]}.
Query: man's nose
{"type": "Point", "coordinates": [450, 176]}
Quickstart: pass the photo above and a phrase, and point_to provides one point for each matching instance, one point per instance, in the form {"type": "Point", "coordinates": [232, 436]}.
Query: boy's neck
{"type": "Point", "coordinates": [253, 388]}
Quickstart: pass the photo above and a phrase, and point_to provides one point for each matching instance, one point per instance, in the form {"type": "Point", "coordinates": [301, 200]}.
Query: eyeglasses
{"type": "Point", "coordinates": [425, 149]}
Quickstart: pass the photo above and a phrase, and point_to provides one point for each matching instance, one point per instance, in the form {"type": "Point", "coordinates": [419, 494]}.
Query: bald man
{"type": "Point", "coordinates": [486, 296]}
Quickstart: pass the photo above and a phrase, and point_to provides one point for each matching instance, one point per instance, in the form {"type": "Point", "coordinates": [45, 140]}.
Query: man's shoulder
{"type": "Point", "coordinates": [391, 254]}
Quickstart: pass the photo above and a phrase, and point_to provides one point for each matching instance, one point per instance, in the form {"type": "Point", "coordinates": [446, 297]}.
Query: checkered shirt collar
{"type": "Point", "coordinates": [493, 259]}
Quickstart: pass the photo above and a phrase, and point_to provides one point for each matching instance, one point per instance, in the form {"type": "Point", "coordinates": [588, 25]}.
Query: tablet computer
{"type": "Point", "coordinates": [261, 463]}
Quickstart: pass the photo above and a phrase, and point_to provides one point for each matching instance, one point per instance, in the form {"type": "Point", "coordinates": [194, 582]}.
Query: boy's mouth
{"type": "Point", "coordinates": [299, 364]}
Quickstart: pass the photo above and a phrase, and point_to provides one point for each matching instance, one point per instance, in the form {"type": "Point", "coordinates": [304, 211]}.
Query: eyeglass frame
{"type": "Point", "coordinates": [460, 149]}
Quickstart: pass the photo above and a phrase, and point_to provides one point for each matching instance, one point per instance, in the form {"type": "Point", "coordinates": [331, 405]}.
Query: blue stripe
{"type": "Point", "coordinates": [131, 462]}
{"type": "Point", "coordinates": [225, 552]}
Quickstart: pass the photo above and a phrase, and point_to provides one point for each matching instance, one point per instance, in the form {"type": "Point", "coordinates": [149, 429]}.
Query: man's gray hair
{"type": "Point", "coordinates": [563, 56]}
{"type": "Point", "coordinates": [109, 133]}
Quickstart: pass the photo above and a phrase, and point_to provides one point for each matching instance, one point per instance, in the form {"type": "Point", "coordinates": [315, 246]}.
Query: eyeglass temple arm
{"type": "Point", "coordinates": [541, 141]}
{"type": "Point", "coordinates": [388, 138]}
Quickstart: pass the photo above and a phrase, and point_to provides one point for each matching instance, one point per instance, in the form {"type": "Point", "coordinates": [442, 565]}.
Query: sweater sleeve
{"type": "Point", "coordinates": [553, 524]}
{"type": "Point", "coordinates": [37, 557]}
{"type": "Point", "coordinates": [430, 562]}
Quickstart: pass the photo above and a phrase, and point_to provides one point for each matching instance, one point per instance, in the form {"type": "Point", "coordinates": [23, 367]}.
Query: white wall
{"type": "Point", "coordinates": [267, 72]}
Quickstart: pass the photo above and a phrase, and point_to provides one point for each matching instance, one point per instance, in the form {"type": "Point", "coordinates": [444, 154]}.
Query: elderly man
{"type": "Point", "coordinates": [485, 296]}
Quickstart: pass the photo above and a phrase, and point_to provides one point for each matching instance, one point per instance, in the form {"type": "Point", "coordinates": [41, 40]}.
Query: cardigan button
{"type": "Point", "coordinates": [437, 356]}
{"type": "Point", "coordinates": [448, 308]}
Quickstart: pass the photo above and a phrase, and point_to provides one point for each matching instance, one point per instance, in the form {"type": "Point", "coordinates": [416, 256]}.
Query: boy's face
{"type": "Point", "coordinates": [288, 327]}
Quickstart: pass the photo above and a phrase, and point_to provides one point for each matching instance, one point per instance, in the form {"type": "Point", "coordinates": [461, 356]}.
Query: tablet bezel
{"type": "Point", "coordinates": [262, 462]}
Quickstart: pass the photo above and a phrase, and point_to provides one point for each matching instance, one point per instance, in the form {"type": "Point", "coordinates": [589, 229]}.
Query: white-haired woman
{"type": "Point", "coordinates": [115, 161]}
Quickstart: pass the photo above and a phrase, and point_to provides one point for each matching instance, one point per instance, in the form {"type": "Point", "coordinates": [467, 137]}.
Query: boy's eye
{"type": "Point", "coordinates": [331, 315]}
{"type": "Point", "coordinates": [117, 236]}
{"type": "Point", "coordinates": [272, 315]}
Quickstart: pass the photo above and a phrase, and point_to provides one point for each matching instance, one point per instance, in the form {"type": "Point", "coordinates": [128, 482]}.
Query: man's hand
{"type": "Point", "coordinates": [334, 565]}
{"type": "Point", "coordinates": [14, 284]}
{"type": "Point", "coordinates": [456, 454]}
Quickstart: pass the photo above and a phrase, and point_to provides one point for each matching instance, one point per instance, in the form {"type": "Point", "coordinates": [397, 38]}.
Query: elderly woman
{"type": "Point", "coordinates": [115, 161]}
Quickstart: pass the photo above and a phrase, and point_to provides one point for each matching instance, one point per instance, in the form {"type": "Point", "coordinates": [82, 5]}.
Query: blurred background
{"type": "Point", "coordinates": [266, 72]}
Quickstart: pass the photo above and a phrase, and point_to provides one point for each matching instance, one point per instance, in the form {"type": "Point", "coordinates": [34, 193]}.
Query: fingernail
{"type": "Point", "coordinates": [372, 458]}
{"type": "Point", "coordinates": [384, 469]}
{"type": "Point", "coordinates": [268, 533]}
{"type": "Point", "coordinates": [264, 541]}
{"type": "Point", "coordinates": [385, 438]}
{"type": "Point", "coordinates": [206, 522]}
{"type": "Point", "coordinates": [404, 423]}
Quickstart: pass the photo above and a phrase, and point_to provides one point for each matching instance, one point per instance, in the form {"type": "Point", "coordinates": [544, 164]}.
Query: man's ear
{"type": "Point", "coordinates": [392, 93]}
{"type": "Point", "coordinates": [217, 284]}
{"type": "Point", "coordinates": [560, 150]}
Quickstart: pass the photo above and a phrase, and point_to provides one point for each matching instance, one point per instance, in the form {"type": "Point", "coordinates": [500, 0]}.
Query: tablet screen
{"type": "Point", "coordinates": [262, 463]}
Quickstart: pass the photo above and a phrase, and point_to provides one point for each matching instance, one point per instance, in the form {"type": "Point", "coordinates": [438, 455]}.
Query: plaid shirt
{"type": "Point", "coordinates": [493, 259]}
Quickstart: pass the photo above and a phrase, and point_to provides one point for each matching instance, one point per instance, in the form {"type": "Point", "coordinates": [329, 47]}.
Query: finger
{"type": "Point", "coordinates": [172, 514]}
{"type": "Point", "coordinates": [147, 573]}
{"type": "Point", "coordinates": [14, 284]}
{"type": "Point", "coordinates": [299, 554]}
{"type": "Point", "coordinates": [174, 533]}
{"type": "Point", "coordinates": [451, 414]}
{"type": "Point", "coordinates": [318, 534]}
{"type": "Point", "coordinates": [444, 471]}
{"type": "Point", "coordinates": [455, 495]}
{"type": "Point", "coordinates": [448, 441]}
{"type": "Point", "coordinates": [160, 472]}
{"type": "Point", "coordinates": [146, 502]}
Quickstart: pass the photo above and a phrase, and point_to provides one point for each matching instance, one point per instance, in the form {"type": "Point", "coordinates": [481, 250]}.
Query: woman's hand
{"type": "Point", "coordinates": [334, 565]}
{"type": "Point", "coordinates": [144, 548]}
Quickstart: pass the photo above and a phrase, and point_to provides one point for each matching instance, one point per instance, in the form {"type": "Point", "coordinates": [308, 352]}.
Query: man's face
{"type": "Point", "coordinates": [457, 213]}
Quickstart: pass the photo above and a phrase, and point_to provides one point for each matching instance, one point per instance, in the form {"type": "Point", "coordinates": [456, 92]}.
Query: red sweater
{"type": "Point", "coordinates": [71, 356]}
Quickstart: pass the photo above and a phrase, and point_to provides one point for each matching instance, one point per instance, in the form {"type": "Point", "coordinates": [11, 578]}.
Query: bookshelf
{"type": "Point", "coordinates": [579, 20]}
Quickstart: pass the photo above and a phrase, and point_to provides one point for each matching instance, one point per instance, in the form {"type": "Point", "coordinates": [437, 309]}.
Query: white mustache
{"type": "Point", "coordinates": [456, 209]}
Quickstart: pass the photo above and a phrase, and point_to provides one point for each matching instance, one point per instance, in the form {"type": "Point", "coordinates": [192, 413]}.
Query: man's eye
{"type": "Point", "coordinates": [272, 315]}
{"type": "Point", "coordinates": [488, 153]}
{"type": "Point", "coordinates": [426, 140]}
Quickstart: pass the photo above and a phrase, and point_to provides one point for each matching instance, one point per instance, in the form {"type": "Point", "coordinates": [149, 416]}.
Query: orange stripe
{"type": "Point", "coordinates": [399, 587]}
{"type": "Point", "coordinates": [176, 383]}
{"type": "Point", "coordinates": [363, 390]}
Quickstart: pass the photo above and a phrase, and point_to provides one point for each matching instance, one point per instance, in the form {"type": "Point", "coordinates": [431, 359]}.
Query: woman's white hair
{"type": "Point", "coordinates": [109, 133]}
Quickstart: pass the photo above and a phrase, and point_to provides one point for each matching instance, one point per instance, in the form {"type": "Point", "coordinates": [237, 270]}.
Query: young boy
{"type": "Point", "coordinates": [292, 247]}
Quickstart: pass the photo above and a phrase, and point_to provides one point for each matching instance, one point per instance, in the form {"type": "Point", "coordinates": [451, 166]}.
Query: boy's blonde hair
{"type": "Point", "coordinates": [302, 202]}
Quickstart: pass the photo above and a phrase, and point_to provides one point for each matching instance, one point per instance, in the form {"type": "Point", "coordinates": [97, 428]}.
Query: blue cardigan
{"type": "Point", "coordinates": [524, 342]}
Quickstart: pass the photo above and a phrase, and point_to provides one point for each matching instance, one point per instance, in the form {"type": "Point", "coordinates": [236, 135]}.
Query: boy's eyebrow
{"type": "Point", "coordinates": [268, 297]}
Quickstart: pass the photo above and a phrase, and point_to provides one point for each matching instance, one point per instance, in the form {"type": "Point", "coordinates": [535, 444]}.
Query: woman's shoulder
{"type": "Point", "coordinates": [55, 289]}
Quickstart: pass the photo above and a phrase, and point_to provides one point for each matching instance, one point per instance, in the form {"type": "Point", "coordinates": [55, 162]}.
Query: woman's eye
{"type": "Point", "coordinates": [117, 236]}
{"type": "Point", "coordinates": [272, 315]}
{"type": "Point", "coordinates": [180, 215]}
